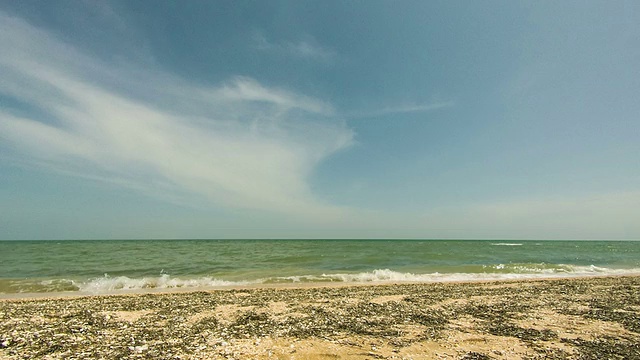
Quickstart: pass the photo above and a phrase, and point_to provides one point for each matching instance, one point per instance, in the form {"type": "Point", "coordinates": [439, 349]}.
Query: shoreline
{"type": "Point", "coordinates": [292, 285]}
{"type": "Point", "coordinates": [564, 318]}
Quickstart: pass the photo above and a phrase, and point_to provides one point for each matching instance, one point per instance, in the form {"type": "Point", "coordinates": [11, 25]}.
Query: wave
{"type": "Point", "coordinates": [491, 272]}
{"type": "Point", "coordinates": [506, 244]}
{"type": "Point", "coordinates": [164, 281]}
{"type": "Point", "coordinates": [118, 284]}
{"type": "Point", "coordinates": [495, 272]}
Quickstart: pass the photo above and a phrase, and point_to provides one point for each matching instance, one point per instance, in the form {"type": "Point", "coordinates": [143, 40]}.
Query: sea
{"type": "Point", "coordinates": [121, 266]}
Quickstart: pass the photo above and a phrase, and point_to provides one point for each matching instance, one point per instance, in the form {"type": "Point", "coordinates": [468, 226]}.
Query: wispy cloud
{"type": "Point", "coordinates": [246, 89]}
{"type": "Point", "coordinates": [305, 49]}
{"type": "Point", "coordinates": [239, 144]}
{"type": "Point", "coordinates": [401, 109]}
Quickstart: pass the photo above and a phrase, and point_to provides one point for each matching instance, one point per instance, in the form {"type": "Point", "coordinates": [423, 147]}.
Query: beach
{"type": "Point", "coordinates": [580, 318]}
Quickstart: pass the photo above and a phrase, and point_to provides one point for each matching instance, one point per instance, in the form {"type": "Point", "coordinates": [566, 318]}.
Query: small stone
{"type": "Point", "coordinates": [141, 348]}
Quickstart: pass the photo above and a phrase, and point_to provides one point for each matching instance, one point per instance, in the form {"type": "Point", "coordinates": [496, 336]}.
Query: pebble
{"type": "Point", "coordinates": [66, 327]}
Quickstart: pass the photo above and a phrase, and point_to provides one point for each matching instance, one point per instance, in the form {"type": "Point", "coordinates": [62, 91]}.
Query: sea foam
{"type": "Point", "coordinates": [500, 272]}
{"type": "Point", "coordinates": [164, 281]}
{"type": "Point", "coordinates": [108, 284]}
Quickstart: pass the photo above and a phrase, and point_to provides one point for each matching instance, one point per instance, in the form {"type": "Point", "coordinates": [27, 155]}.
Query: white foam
{"type": "Point", "coordinates": [522, 272]}
{"type": "Point", "coordinates": [164, 281]}
{"type": "Point", "coordinates": [108, 284]}
{"type": "Point", "coordinates": [543, 268]}
{"type": "Point", "coordinates": [506, 244]}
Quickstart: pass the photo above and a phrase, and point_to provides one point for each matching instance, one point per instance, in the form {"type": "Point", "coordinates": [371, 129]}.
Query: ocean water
{"type": "Point", "coordinates": [115, 266]}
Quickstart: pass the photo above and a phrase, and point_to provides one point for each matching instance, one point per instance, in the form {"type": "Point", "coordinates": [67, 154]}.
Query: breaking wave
{"type": "Point", "coordinates": [488, 272]}
{"type": "Point", "coordinates": [118, 284]}
{"type": "Point", "coordinates": [495, 272]}
{"type": "Point", "coordinates": [164, 281]}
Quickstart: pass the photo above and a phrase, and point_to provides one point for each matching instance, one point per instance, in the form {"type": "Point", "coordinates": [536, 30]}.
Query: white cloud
{"type": "Point", "coordinates": [237, 145]}
{"type": "Point", "coordinates": [401, 109]}
{"type": "Point", "coordinates": [247, 89]}
{"type": "Point", "coordinates": [303, 49]}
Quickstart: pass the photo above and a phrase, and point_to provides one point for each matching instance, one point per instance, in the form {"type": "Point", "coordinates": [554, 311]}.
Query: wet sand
{"type": "Point", "coordinates": [588, 318]}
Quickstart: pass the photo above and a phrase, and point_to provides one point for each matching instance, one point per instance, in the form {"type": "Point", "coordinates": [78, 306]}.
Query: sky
{"type": "Point", "coordinates": [320, 119]}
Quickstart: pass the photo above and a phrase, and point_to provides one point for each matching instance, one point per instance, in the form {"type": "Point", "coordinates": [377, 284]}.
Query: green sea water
{"type": "Point", "coordinates": [113, 266]}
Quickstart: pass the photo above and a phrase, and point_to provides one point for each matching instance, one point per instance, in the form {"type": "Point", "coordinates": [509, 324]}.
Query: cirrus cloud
{"type": "Point", "coordinates": [237, 145]}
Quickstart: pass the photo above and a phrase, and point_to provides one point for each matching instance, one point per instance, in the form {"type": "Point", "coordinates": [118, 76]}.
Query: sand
{"type": "Point", "coordinates": [588, 318]}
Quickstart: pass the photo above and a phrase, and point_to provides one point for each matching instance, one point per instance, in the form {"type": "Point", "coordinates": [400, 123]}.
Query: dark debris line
{"type": "Point", "coordinates": [82, 327]}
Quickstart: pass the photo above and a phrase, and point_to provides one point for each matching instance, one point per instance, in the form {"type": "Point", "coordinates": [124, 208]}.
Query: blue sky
{"type": "Point", "coordinates": [320, 119]}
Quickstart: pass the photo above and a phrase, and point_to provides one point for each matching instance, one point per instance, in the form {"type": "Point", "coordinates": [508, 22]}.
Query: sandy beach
{"type": "Point", "coordinates": [587, 318]}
